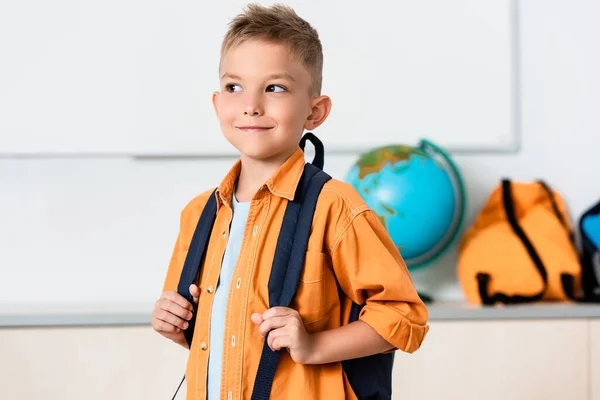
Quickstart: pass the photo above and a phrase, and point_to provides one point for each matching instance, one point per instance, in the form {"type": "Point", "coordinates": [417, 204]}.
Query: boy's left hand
{"type": "Point", "coordinates": [286, 330]}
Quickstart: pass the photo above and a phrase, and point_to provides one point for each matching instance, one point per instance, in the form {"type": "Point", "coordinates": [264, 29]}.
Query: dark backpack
{"type": "Point", "coordinates": [370, 377]}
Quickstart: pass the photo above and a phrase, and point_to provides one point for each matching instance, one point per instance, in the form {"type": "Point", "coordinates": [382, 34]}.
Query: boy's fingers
{"type": "Point", "coordinates": [277, 312]}
{"type": "Point", "coordinates": [164, 327]}
{"type": "Point", "coordinates": [173, 320]}
{"type": "Point", "coordinates": [195, 292]}
{"type": "Point", "coordinates": [273, 323]}
{"type": "Point", "coordinates": [257, 318]}
{"type": "Point", "coordinates": [176, 309]}
{"type": "Point", "coordinates": [278, 340]}
{"type": "Point", "coordinates": [177, 298]}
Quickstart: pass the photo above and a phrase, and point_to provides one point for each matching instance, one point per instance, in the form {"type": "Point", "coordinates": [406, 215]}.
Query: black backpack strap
{"type": "Point", "coordinates": [194, 258]}
{"type": "Point", "coordinates": [550, 193]}
{"type": "Point", "coordinates": [483, 279]}
{"type": "Point", "coordinates": [288, 263]}
{"type": "Point", "coordinates": [191, 266]}
{"type": "Point", "coordinates": [567, 280]}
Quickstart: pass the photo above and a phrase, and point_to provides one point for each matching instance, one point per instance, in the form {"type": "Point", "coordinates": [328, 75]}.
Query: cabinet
{"type": "Point", "coordinates": [516, 359]}
{"type": "Point", "coordinates": [595, 359]}
{"type": "Point", "coordinates": [499, 360]}
{"type": "Point", "coordinates": [89, 363]}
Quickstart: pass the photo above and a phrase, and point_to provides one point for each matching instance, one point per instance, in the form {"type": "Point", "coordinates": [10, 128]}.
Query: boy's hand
{"type": "Point", "coordinates": [285, 330]}
{"type": "Point", "coordinates": [171, 313]}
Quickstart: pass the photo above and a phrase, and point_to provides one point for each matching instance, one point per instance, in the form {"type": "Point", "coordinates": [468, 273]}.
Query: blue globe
{"type": "Point", "coordinates": [418, 195]}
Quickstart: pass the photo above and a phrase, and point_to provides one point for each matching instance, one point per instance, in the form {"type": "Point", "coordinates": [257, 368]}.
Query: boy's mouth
{"type": "Point", "coordinates": [254, 129]}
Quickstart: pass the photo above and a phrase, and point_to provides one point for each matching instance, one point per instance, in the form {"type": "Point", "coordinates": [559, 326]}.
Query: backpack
{"type": "Point", "coordinates": [589, 228]}
{"type": "Point", "coordinates": [370, 377]}
{"type": "Point", "coordinates": [520, 249]}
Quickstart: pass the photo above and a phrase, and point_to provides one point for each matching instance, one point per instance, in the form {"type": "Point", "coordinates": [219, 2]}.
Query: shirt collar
{"type": "Point", "coordinates": [283, 183]}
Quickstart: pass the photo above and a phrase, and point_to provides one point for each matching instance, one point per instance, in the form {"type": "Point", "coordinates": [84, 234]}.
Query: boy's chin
{"type": "Point", "coordinates": [262, 153]}
{"type": "Point", "coordinates": [261, 149]}
{"type": "Point", "coordinates": [257, 154]}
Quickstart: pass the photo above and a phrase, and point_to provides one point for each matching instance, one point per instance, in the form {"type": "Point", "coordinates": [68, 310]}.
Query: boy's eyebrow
{"type": "Point", "coordinates": [230, 76]}
{"type": "Point", "coordinates": [282, 75]}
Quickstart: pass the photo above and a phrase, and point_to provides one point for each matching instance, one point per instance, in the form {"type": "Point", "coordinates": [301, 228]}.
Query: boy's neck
{"type": "Point", "coordinates": [254, 173]}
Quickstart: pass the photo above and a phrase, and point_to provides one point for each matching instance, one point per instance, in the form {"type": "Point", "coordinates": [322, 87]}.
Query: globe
{"type": "Point", "coordinates": [417, 194]}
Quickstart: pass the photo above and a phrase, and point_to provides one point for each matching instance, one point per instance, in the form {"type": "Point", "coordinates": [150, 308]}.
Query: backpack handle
{"type": "Point", "coordinates": [319, 159]}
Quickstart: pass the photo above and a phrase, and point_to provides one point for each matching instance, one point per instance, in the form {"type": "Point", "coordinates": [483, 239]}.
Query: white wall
{"type": "Point", "coordinates": [59, 217]}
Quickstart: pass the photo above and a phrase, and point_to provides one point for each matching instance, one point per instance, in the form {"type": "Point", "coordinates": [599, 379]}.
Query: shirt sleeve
{"type": "Point", "coordinates": [175, 265]}
{"type": "Point", "coordinates": [188, 219]}
{"type": "Point", "coordinates": [371, 272]}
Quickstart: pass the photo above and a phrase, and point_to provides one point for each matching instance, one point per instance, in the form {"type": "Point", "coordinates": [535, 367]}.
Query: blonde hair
{"type": "Point", "coordinates": [279, 24]}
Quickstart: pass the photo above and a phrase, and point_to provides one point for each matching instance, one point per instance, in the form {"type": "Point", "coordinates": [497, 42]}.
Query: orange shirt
{"type": "Point", "coordinates": [348, 243]}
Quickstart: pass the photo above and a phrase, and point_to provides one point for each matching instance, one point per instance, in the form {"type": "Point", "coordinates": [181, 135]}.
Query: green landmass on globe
{"type": "Point", "coordinates": [373, 161]}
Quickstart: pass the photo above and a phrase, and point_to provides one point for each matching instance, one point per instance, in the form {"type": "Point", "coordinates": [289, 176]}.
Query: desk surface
{"type": "Point", "coordinates": [140, 314]}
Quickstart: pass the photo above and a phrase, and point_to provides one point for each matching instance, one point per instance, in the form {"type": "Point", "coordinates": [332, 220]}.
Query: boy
{"type": "Point", "coordinates": [270, 80]}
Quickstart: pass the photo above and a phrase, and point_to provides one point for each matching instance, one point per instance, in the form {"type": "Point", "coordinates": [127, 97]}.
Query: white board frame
{"type": "Point", "coordinates": [52, 117]}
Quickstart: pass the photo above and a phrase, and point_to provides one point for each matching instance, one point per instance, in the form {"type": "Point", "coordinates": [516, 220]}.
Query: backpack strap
{"type": "Point", "coordinates": [567, 280]}
{"type": "Point", "coordinates": [550, 193]}
{"type": "Point", "coordinates": [194, 258]}
{"type": "Point", "coordinates": [193, 261]}
{"type": "Point", "coordinates": [483, 279]}
{"type": "Point", "coordinates": [288, 263]}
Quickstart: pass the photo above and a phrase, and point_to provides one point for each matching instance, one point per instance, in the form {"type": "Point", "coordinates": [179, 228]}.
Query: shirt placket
{"type": "Point", "coordinates": [205, 307]}
{"type": "Point", "coordinates": [237, 303]}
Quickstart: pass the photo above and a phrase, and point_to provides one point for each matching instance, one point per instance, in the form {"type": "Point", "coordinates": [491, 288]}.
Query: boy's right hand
{"type": "Point", "coordinates": [171, 313]}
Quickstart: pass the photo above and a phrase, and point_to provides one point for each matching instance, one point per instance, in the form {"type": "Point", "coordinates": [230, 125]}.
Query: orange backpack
{"type": "Point", "coordinates": [520, 248]}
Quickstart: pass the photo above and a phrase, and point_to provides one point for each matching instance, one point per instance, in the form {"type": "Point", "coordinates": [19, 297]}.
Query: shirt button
{"type": "Point", "coordinates": [233, 341]}
{"type": "Point", "coordinates": [209, 289]}
{"type": "Point", "coordinates": [238, 283]}
{"type": "Point", "coordinates": [224, 234]}
{"type": "Point", "coordinates": [203, 346]}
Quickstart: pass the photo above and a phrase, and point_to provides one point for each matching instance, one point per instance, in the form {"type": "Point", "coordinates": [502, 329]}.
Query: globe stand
{"type": "Point", "coordinates": [425, 297]}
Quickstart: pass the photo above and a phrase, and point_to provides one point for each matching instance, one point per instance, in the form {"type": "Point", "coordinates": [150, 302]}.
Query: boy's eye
{"type": "Point", "coordinates": [232, 87]}
{"type": "Point", "coordinates": [276, 88]}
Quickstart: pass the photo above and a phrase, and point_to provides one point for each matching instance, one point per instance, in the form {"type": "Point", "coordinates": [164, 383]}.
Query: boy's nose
{"type": "Point", "coordinates": [253, 107]}
{"type": "Point", "coordinates": [252, 110]}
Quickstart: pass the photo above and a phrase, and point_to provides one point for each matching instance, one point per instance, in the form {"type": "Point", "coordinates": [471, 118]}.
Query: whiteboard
{"type": "Point", "coordinates": [135, 77]}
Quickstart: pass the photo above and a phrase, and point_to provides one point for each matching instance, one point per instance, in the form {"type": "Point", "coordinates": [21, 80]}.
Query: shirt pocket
{"type": "Point", "coordinates": [310, 296]}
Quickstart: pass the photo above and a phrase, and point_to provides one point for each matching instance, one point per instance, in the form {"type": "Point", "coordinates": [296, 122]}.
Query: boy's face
{"type": "Point", "coordinates": [265, 102]}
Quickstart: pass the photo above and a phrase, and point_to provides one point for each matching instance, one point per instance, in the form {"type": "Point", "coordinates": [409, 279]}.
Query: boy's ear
{"type": "Point", "coordinates": [215, 101]}
{"type": "Point", "coordinates": [321, 106]}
